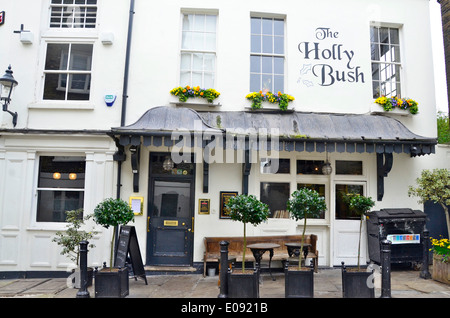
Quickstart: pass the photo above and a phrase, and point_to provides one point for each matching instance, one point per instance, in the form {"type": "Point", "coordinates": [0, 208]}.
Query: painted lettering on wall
{"type": "Point", "coordinates": [330, 61]}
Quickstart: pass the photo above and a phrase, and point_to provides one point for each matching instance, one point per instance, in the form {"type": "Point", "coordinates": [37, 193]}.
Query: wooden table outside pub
{"type": "Point", "coordinates": [258, 251]}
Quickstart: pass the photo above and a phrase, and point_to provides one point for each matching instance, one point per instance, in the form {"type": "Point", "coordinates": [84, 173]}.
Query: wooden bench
{"type": "Point", "coordinates": [212, 248]}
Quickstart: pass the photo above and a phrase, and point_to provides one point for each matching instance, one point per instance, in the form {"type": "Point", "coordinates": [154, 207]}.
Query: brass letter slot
{"type": "Point", "coordinates": [170, 223]}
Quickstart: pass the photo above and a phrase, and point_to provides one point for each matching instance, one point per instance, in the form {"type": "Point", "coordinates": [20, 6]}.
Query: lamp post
{"type": "Point", "coordinates": [7, 84]}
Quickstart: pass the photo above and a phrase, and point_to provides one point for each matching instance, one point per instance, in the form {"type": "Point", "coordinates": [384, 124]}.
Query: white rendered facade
{"type": "Point", "coordinates": [318, 40]}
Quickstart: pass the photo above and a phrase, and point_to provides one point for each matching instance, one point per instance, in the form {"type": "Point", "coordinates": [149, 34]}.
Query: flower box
{"type": "Point", "coordinates": [398, 105]}
{"type": "Point", "coordinates": [259, 98]}
{"type": "Point", "coordinates": [441, 269]}
{"type": "Point", "coordinates": [197, 93]}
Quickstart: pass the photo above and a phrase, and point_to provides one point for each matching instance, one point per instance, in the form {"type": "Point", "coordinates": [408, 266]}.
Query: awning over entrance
{"type": "Point", "coordinates": [160, 122]}
{"type": "Point", "coordinates": [296, 131]}
{"type": "Point", "coordinates": [293, 131]}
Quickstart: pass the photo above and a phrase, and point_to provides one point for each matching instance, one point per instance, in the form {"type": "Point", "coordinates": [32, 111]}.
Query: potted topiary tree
{"type": "Point", "coordinates": [304, 203]}
{"type": "Point", "coordinates": [355, 281]}
{"type": "Point", "coordinates": [70, 241]}
{"type": "Point", "coordinates": [246, 209]}
{"type": "Point", "coordinates": [112, 282]}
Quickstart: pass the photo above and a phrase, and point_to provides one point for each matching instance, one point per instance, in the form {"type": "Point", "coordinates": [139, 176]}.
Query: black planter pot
{"type": "Point", "coordinates": [298, 283]}
{"type": "Point", "coordinates": [357, 284]}
{"type": "Point", "coordinates": [111, 284]}
{"type": "Point", "coordinates": [243, 285]}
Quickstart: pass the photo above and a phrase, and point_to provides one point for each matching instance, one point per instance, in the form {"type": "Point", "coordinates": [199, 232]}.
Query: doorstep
{"type": "Point", "coordinates": [181, 269]}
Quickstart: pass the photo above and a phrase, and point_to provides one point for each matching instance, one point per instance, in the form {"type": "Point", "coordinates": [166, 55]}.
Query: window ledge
{"type": "Point", "coordinates": [62, 105]}
{"type": "Point", "coordinates": [71, 34]}
{"type": "Point", "coordinates": [206, 104]}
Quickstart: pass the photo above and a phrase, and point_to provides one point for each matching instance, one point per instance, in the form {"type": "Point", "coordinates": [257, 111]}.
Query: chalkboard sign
{"type": "Point", "coordinates": [128, 244]}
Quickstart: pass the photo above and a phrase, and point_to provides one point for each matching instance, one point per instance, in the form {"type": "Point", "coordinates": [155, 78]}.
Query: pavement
{"type": "Point", "coordinates": [327, 284]}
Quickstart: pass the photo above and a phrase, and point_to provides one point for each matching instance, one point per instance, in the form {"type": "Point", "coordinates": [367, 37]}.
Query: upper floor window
{"type": "Point", "coordinates": [198, 50]}
{"type": "Point", "coordinates": [67, 71]}
{"type": "Point", "coordinates": [267, 54]}
{"type": "Point", "coordinates": [73, 13]}
{"type": "Point", "coordinates": [385, 49]}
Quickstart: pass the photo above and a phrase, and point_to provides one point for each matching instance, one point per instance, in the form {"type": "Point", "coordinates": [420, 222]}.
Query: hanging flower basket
{"type": "Point", "coordinates": [257, 98]}
{"type": "Point", "coordinates": [183, 93]}
{"type": "Point", "coordinates": [390, 103]}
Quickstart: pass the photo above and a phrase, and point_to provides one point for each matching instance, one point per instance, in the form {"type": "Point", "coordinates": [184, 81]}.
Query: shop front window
{"type": "Point", "coordinates": [275, 165]}
{"type": "Point", "coordinates": [319, 188]}
{"type": "Point", "coordinates": [347, 167]}
{"type": "Point", "coordinates": [179, 169]}
{"type": "Point", "coordinates": [310, 166]}
{"type": "Point", "coordinates": [275, 195]}
{"type": "Point", "coordinates": [60, 187]}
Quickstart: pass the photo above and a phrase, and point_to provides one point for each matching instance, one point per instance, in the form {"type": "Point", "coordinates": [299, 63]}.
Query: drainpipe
{"type": "Point", "coordinates": [120, 154]}
{"type": "Point", "coordinates": [127, 64]}
{"type": "Point", "coordinates": [125, 91]}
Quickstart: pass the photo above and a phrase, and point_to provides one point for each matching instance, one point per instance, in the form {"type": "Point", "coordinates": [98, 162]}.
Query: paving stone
{"type": "Point", "coordinates": [19, 286]}
{"type": "Point", "coordinates": [51, 286]}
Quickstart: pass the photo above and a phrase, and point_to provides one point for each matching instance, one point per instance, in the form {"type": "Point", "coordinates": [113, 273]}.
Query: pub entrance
{"type": "Point", "coordinates": [170, 213]}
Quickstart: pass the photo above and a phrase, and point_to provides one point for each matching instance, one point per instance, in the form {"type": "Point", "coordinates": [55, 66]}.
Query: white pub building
{"type": "Point", "coordinates": [297, 95]}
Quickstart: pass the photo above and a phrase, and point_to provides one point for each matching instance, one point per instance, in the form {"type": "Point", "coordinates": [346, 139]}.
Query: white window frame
{"type": "Point", "coordinates": [192, 52]}
{"type": "Point", "coordinates": [293, 179]}
{"type": "Point", "coordinates": [386, 64]}
{"type": "Point", "coordinates": [47, 224]}
{"type": "Point", "coordinates": [65, 103]}
{"type": "Point", "coordinates": [270, 55]}
{"type": "Point", "coordinates": [69, 72]}
{"type": "Point", "coordinates": [76, 13]}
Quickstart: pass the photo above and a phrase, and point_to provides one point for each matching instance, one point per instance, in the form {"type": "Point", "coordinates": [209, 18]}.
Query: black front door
{"type": "Point", "coordinates": [170, 219]}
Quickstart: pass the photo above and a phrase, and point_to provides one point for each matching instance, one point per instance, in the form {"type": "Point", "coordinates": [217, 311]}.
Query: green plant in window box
{"type": "Point", "coordinates": [281, 99]}
{"type": "Point", "coordinates": [441, 247]}
{"type": "Point", "coordinates": [183, 93]}
{"type": "Point", "coordinates": [390, 103]}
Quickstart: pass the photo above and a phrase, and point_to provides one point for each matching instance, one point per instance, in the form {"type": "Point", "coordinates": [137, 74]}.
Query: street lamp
{"type": "Point", "coordinates": [7, 84]}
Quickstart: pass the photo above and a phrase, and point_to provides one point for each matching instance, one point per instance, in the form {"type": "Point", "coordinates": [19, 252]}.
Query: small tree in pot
{"type": "Point", "coordinates": [360, 205]}
{"type": "Point", "coordinates": [246, 209]}
{"type": "Point", "coordinates": [70, 241]}
{"type": "Point", "coordinates": [304, 203]}
{"type": "Point", "coordinates": [112, 212]}
{"type": "Point", "coordinates": [355, 284]}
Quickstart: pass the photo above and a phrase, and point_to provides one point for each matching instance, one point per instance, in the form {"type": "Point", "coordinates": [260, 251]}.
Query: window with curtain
{"type": "Point", "coordinates": [267, 54]}
{"type": "Point", "coordinates": [198, 50]}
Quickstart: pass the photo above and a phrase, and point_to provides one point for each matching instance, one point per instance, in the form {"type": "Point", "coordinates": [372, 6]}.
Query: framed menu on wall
{"type": "Point", "coordinates": [224, 197]}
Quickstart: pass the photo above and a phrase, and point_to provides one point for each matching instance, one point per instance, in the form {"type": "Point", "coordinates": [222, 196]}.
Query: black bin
{"type": "Point", "coordinates": [403, 227]}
